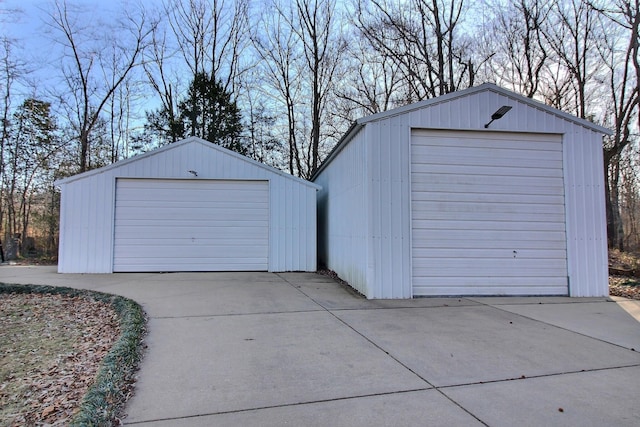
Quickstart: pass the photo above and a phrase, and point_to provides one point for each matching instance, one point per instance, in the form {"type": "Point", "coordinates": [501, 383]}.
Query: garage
{"type": "Point", "coordinates": [473, 193]}
{"type": "Point", "coordinates": [191, 225]}
{"type": "Point", "coordinates": [493, 200]}
{"type": "Point", "coordinates": [187, 206]}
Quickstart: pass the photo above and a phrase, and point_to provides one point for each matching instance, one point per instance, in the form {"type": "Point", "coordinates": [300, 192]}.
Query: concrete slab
{"type": "Point", "coordinates": [630, 306]}
{"type": "Point", "coordinates": [332, 296]}
{"type": "Point", "coordinates": [180, 294]}
{"type": "Point", "coordinates": [601, 320]}
{"type": "Point", "coordinates": [427, 407]}
{"type": "Point", "coordinates": [208, 365]}
{"type": "Point", "coordinates": [458, 345]}
{"type": "Point", "coordinates": [494, 301]}
{"type": "Point", "coordinates": [209, 296]}
{"type": "Point", "coordinates": [299, 349]}
{"type": "Point", "coordinates": [48, 275]}
{"type": "Point", "coordinates": [599, 398]}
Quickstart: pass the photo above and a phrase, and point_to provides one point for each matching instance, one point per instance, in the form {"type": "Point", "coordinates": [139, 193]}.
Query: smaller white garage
{"type": "Point", "coordinates": [188, 206]}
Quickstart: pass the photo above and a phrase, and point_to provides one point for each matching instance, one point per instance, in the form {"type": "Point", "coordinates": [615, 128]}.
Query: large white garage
{"type": "Point", "coordinates": [478, 192]}
{"type": "Point", "coordinates": [188, 206]}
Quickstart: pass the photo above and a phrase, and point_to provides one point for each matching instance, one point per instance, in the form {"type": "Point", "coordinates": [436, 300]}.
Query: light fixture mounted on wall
{"type": "Point", "coordinates": [498, 114]}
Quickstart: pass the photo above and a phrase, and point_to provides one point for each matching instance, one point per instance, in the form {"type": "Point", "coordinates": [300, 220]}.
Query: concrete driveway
{"type": "Point", "coordinates": [263, 349]}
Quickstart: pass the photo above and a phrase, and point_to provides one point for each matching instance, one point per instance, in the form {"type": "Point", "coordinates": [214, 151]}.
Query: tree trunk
{"type": "Point", "coordinates": [615, 228]}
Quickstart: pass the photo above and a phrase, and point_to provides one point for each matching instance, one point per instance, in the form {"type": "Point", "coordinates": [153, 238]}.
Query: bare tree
{"type": "Point", "coordinates": [121, 116]}
{"type": "Point", "coordinates": [619, 54]}
{"type": "Point", "coordinates": [423, 38]}
{"type": "Point", "coordinates": [521, 52]}
{"type": "Point", "coordinates": [322, 51]}
{"type": "Point", "coordinates": [164, 81]}
{"type": "Point", "coordinates": [11, 70]}
{"type": "Point", "coordinates": [90, 76]}
{"type": "Point", "coordinates": [301, 47]}
{"type": "Point", "coordinates": [275, 44]}
{"type": "Point", "coordinates": [371, 81]}
{"type": "Point", "coordinates": [32, 144]}
{"type": "Point", "coordinates": [570, 32]}
{"type": "Point", "coordinates": [211, 35]}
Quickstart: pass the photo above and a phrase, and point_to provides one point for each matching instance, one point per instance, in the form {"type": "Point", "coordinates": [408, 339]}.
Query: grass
{"type": "Point", "coordinates": [105, 398]}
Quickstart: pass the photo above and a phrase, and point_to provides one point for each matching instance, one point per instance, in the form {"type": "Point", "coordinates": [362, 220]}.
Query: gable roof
{"type": "Point", "coordinates": [177, 145]}
{"type": "Point", "coordinates": [485, 87]}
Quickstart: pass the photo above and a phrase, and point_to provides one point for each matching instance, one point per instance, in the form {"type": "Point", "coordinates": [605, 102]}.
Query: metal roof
{"type": "Point", "coordinates": [485, 87]}
{"type": "Point", "coordinates": [176, 145]}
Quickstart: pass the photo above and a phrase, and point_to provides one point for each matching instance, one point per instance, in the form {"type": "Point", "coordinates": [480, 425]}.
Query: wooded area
{"type": "Point", "coordinates": [281, 81]}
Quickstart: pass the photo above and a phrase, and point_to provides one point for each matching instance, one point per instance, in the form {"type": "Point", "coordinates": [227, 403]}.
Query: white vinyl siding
{"type": "Point", "coordinates": [191, 225]}
{"type": "Point", "coordinates": [488, 214]}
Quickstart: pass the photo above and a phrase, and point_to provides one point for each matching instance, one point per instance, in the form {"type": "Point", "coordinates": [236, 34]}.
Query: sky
{"type": "Point", "coordinates": [24, 22]}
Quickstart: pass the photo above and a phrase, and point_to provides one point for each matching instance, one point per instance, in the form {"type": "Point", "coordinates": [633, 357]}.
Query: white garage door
{"type": "Point", "coordinates": [488, 214]}
{"type": "Point", "coordinates": [191, 225]}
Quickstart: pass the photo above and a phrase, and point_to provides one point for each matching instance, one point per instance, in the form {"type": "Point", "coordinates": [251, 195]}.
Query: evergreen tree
{"type": "Point", "coordinates": [209, 113]}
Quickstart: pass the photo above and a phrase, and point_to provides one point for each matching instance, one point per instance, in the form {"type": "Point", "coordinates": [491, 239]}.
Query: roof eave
{"type": "Point", "coordinates": [484, 87]}
{"type": "Point", "coordinates": [176, 145]}
{"type": "Point", "coordinates": [344, 141]}
{"type": "Point", "coordinates": [361, 122]}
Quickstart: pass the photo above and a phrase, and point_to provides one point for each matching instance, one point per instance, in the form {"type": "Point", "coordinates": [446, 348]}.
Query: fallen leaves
{"type": "Point", "coordinates": [51, 347]}
{"type": "Point", "coordinates": [624, 287]}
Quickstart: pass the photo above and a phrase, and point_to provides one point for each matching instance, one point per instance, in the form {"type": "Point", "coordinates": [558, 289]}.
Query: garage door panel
{"type": "Point", "coordinates": [506, 172]}
{"type": "Point", "coordinates": [488, 214]}
{"type": "Point", "coordinates": [197, 224]}
{"type": "Point", "coordinates": [524, 226]}
{"type": "Point", "coordinates": [208, 198]}
{"type": "Point", "coordinates": [499, 253]}
{"type": "Point", "coordinates": [455, 207]}
{"type": "Point", "coordinates": [505, 267]}
{"type": "Point", "coordinates": [471, 188]}
{"type": "Point", "coordinates": [133, 242]}
{"type": "Point", "coordinates": [491, 286]}
{"type": "Point", "coordinates": [525, 141]}
{"type": "Point", "coordinates": [500, 161]}
{"type": "Point", "coordinates": [196, 221]}
{"type": "Point", "coordinates": [475, 151]}
{"type": "Point", "coordinates": [143, 210]}
{"type": "Point", "coordinates": [471, 215]}
{"type": "Point", "coordinates": [219, 207]}
{"type": "Point", "coordinates": [191, 234]}
{"type": "Point", "coordinates": [478, 237]}
{"type": "Point", "coordinates": [478, 197]}
{"type": "Point", "coordinates": [465, 180]}
{"type": "Point", "coordinates": [465, 244]}
{"type": "Point", "coordinates": [168, 264]}
{"type": "Point", "coordinates": [194, 251]}
{"type": "Point", "coordinates": [191, 225]}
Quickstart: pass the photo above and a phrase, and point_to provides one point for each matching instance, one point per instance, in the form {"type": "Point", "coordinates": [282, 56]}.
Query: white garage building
{"type": "Point", "coordinates": [428, 200]}
{"type": "Point", "coordinates": [188, 206]}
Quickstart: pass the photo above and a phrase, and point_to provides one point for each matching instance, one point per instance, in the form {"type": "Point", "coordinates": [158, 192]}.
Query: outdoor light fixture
{"type": "Point", "coordinates": [498, 114]}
